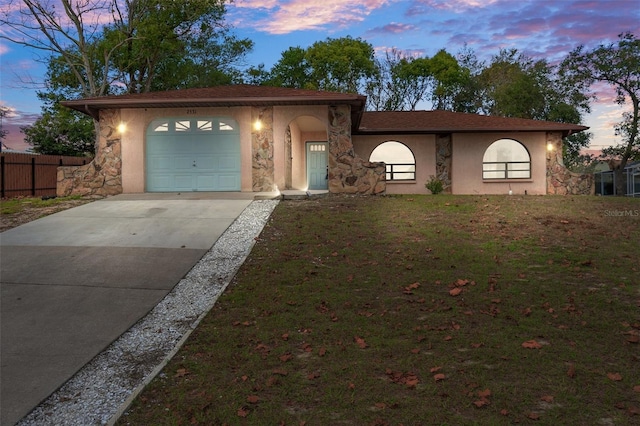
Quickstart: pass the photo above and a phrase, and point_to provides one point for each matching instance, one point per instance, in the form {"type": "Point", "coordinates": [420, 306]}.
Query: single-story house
{"type": "Point", "coordinates": [265, 139]}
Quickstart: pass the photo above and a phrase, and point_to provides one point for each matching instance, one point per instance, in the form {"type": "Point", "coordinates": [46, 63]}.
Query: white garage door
{"type": "Point", "coordinates": [193, 154]}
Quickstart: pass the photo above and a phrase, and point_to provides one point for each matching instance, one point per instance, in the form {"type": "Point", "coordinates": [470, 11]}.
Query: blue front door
{"type": "Point", "coordinates": [317, 173]}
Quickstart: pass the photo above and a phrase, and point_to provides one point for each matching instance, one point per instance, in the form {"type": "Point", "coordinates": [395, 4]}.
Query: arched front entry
{"type": "Point", "coordinates": [193, 154]}
{"type": "Point", "coordinates": [306, 154]}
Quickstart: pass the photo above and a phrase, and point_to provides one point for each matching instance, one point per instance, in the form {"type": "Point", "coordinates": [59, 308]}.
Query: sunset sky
{"type": "Point", "coordinates": [538, 28]}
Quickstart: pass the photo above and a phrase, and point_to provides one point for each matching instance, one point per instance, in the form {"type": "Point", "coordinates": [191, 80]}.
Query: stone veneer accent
{"type": "Point", "coordinates": [443, 161]}
{"type": "Point", "coordinates": [262, 150]}
{"type": "Point", "coordinates": [349, 173]}
{"type": "Point", "coordinates": [560, 180]}
{"type": "Point", "coordinates": [102, 176]}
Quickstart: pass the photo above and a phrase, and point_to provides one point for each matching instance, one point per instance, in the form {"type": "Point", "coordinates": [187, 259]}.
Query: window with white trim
{"type": "Point", "coordinates": [506, 159]}
{"type": "Point", "coordinates": [398, 158]}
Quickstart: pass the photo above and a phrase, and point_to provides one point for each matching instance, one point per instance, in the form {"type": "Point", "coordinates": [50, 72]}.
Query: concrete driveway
{"type": "Point", "coordinates": [72, 282]}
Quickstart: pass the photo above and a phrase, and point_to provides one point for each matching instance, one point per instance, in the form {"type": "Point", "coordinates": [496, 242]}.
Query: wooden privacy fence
{"type": "Point", "coordinates": [23, 174]}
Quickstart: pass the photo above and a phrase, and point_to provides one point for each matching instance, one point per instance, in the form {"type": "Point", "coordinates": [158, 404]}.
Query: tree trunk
{"type": "Point", "coordinates": [621, 186]}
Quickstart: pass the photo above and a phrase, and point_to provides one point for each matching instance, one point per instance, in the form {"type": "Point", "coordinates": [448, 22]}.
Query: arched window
{"type": "Point", "coordinates": [506, 159]}
{"type": "Point", "coordinates": [400, 162]}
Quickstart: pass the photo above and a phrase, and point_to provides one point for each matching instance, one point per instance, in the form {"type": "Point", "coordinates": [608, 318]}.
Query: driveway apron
{"type": "Point", "coordinates": [73, 282]}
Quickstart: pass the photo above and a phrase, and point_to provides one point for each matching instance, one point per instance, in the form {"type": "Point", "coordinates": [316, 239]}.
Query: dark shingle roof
{"type": "Point", "coordinates": [453, 122]}
{"type": "Point", "coordinates": [232, 95]}
{"type": "Point", "coordinates": [375, 122]}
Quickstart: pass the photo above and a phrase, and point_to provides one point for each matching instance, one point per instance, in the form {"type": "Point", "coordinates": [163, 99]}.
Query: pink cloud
{"type": "Point", "coordinates": [300, 15]}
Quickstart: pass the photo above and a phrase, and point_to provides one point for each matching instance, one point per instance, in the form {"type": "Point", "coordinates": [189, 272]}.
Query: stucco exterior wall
{"type": "Point", "coordinates": [134, 140]}
{"type": "Point", "coordinates": [284, 116]}
{"type": "Point", "coordinates": [466, 170]}
{"type": "Point", "coordinates": [138, 120]}
{"type": "Point", "coordinates": [424, 151]}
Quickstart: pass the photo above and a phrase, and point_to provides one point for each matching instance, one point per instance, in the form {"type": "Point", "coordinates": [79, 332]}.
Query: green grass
{"type": "Point", "coordinates": [342, 315]}
{"type": "Point", "coordinates": [17, 205]}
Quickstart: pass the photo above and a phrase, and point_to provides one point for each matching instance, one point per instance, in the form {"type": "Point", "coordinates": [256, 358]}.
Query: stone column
{"type": "Point", "coordinates": [262, 149]}
{"type": "Point", "coordinates": [102, 176]}
{"type": "Point", "coordinates": [443, 161]}
{"type": "Point", "coordinates": [349, 173]}
{"type": "Point", "coordinates": [560, 180]}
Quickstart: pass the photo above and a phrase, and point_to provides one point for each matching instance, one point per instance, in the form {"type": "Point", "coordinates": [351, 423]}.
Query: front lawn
{"type": "Point", "coordinates": [420, 310]}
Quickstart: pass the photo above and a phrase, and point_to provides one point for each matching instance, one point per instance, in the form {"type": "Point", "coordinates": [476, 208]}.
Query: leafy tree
{"type": "Point", "coordinates": [447, 76]}
{"type": "Point", "coordinates": [292, 70]}
{"type": "Point", "coordinates": [144, 45]}
{"type": "Point", "coordinates": [167, 44]}
{"type": "Point", "coordinates": [340, 65]}
{"type": "Point", "coordinates": [3, 133]}
{"type": "Point", "coordinates": [399, 83]}
{"type": "Point", "coordinates": [60, 131]}
{"type": "Point", "coordinates": [467, 97]}
{"type": "Point", "coordinates": [619, 66]}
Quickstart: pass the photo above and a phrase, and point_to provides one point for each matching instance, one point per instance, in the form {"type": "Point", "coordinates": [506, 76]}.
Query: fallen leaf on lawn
{"type": "Point", "coordinates": [280, 372]}
{"type": "Point", "coordinates": [412, 382]}
{"type": "Point", "coordinates": [481, 402]}
{"type": "Point", "coordinates": [455, 291]}
{"type": "Point", "coordinates": [286, 357]}
{"type": "Point", "coordinates": [412, 286]}
{"type": "Point", "coordinates": [360, 342]}
{"type": "Point", "coordinates": [272, 381]}
{"type": "Point", "coordinates": [285, 336]}
{"type": "Point", "coordinates": [438, 377]}
{"type": "Point", "coordinates": [242, 412]}
{"type": "Point", "coordinates": [533, 416]}
{"type": "Point", "coordinates": [351, 386]}
{"type": "Point", "coordinates": [253, 399]}
{"type": "Point", "coordinates": [322, 351]}
{"type": "Point", "coordinates": [313, 375]}
{"type": "Point", "coordinates": [636, 388]}
{"type": "Point", "coordinates": [614, 376]}
{"type": "Point", "coordinates": [571, 372]}
{"type": "Point", "coordinates": [504, 412]}
{"type": "Point", "coordinates": [435, 369]}
{"type": "Point", "coordinates": [531, 344]}
{"type": "Point", "coordinates": [447, 338]}
{"type": "Point", "coordinates": [547, 398]}
{"type": "Point", "coordinates": [415, 351]}
{"type": "Point", "coordinates": [477, 345]}
{"type": "Point", "coordinates": [244, 378]}
{"type": "Point", "coordinates": [181, 372]}
{"type": "Point", "coordinates": [484, 393]}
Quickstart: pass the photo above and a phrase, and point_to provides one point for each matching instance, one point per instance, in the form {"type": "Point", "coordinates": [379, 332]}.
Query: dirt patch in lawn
{"type": "Point", "coordinates": [18, 211]}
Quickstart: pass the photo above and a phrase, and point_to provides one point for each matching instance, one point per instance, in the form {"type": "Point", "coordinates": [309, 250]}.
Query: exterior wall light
{"type": "Point", "coordinates": [549, 147]}
{"type": "Point", "coordinates": [257, 126]}
{"type": "Point", "coordinates": [122, 128]}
